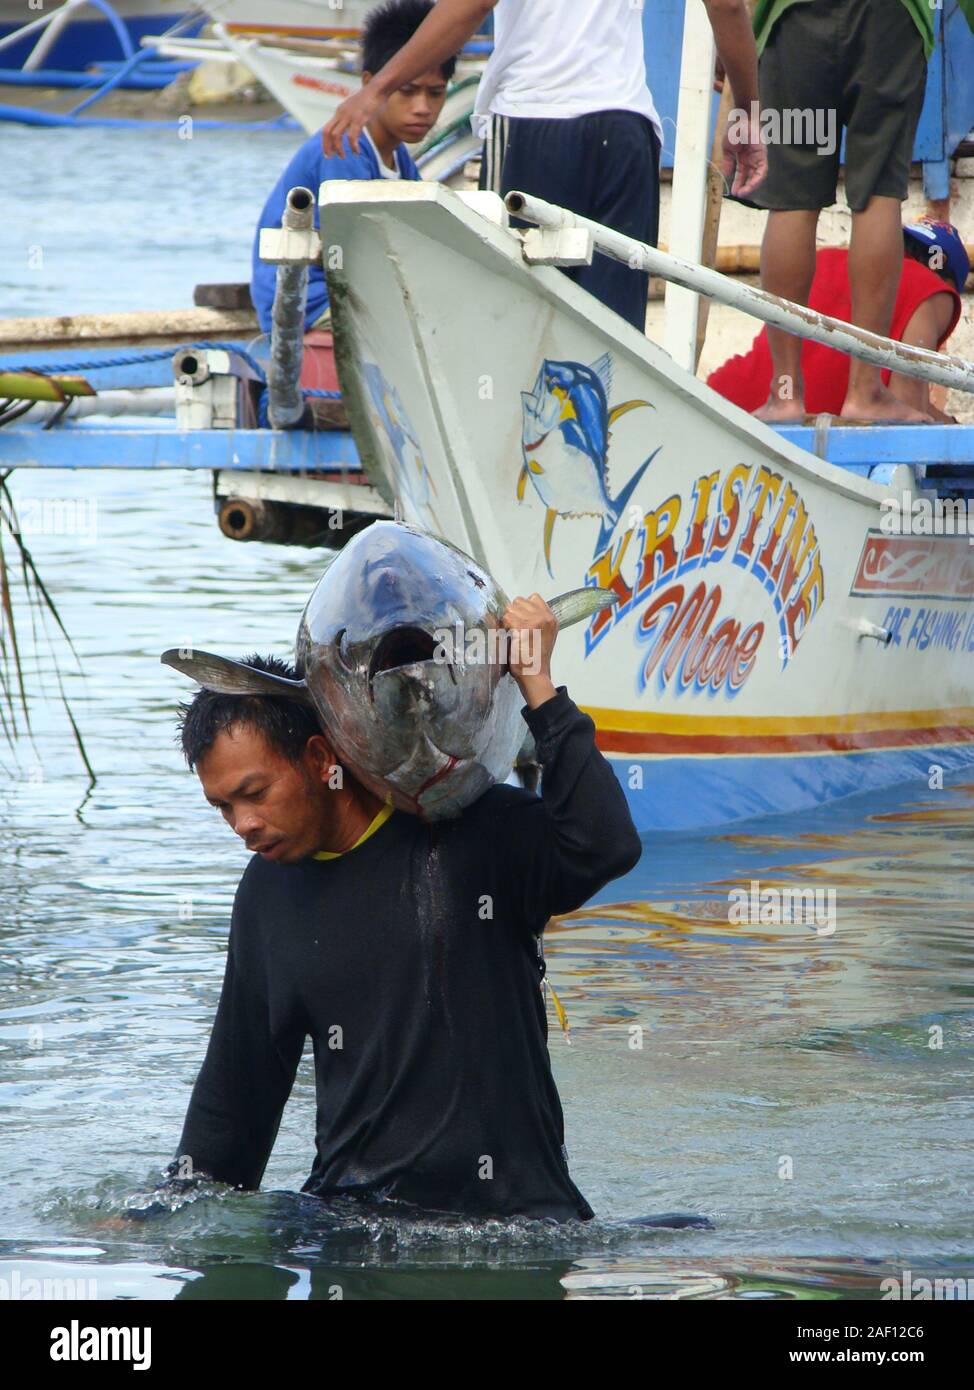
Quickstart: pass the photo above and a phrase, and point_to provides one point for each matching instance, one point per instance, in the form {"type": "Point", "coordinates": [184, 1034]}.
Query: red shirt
{"type": "Point", "coordinates": [746, 378]}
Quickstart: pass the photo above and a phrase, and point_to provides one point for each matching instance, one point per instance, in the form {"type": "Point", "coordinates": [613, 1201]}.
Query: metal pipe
{"type": "Point", "coordinates": [249, 519]}
{"type": "Point", "coordinates": [936, 367]}
{"type": "Point", "coordinates": [285, 403]}
{"type": "Point", "coordinates": [49, 38]}
{"type": "Point", "coordinates": [16, 34]}
{"type": "Point", "coordinates": [149, 400]}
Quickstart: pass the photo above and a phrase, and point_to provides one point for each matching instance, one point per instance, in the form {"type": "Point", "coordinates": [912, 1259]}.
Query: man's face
{"type": "Point", "coordinates": [281, 810]}
{"type": "Point", "coordinates": [411, 113]}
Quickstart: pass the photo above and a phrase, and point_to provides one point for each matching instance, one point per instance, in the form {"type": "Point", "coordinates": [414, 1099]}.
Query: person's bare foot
{"type": "Point", "coordinates": [884, 408]}
{"type": "Point", "coordinates": [777, 411]}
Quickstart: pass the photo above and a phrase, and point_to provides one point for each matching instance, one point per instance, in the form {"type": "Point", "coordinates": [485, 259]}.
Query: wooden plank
{"type": "Point", "coordinates": [715, 198]}
{"type": "Point", "coordinates": [146, 328]}
{"type": "Point", "coordinates": [223, 297]}
{"type": "Point", "coordinates": [687, 206]}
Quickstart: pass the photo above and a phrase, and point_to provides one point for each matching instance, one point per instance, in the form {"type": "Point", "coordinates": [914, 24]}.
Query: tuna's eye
{"type": "Point", "coordinates": [341, 642]}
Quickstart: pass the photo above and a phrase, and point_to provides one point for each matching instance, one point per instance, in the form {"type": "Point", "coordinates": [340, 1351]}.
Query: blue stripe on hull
{"type": "Point", "coordinates": [701, 792]}
{"type": "Point", "coordinates": [88, 40]}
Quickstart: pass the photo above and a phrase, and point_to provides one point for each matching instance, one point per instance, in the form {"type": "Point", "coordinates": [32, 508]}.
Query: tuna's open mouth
{"type": "Point", "coordinates": [402, 646]}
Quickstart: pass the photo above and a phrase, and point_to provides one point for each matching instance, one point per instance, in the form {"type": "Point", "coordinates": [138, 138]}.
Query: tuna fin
{"type": "Point", "coordinates": [579, 604]}
{"type": "Point", "coordinates": [551, 516]}
{"type": "Point", "coordinates": [619, 504]}
{"type": "Point", "coordinates": [226, 677]}
{"type": "Point", "coordinates": [522, 479]}
{"type": "Point", "coordinates": [618, 410]}
{"type": "Point", "coordinates": [602, 367]}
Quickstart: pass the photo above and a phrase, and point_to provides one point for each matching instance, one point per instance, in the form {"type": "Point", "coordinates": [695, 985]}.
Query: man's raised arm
{"type": "Point", "coordinates": [442, 34]}
{"type": "Point", "coordinates": [580, 835]}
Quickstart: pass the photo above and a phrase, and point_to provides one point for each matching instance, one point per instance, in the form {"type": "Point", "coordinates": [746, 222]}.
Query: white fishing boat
{"type": "Point", "coordinates": [301, 18]}
{"type": "Point", "coordinates": [75, 33]}
{"type": "Point", "coordinates": [774, 644]}
{"type": "Point", "coordinates": [311, 86]}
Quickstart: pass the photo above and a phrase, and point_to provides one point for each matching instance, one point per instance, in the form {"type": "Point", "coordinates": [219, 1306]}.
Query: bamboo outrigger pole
{"type": "Point", "coordinates": [937, 367]}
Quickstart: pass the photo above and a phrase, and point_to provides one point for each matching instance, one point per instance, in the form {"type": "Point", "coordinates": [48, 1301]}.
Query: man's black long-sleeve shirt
{"type": "Point", "coordinates": [413, 962]}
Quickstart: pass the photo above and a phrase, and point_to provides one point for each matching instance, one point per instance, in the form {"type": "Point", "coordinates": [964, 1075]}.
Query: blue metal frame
{"type": "Point", "coordinates": [147, 443]}
{"type": "Point", "coordinates": [141, 444]}
{"type": "Point", "coordinates": [862, 449]}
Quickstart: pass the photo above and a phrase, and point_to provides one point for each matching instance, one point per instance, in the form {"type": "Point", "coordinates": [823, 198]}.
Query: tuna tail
{"type": "Point", "coordinates": [226, 677]}
{"type": "Point", "coordinates": [617, 505]}
{"type": "Point", "coordinates": [579, 604]}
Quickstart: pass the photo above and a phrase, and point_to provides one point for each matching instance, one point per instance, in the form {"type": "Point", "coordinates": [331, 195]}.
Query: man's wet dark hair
{"type": "Point", "coordinates": [388, 27]}
{"type": "Point", "coordinates": [285, 724]}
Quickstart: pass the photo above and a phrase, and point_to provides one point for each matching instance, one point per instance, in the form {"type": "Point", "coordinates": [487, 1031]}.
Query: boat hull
{"type": "Point", "coordinates": [311, 88]}
{"type": "Point", "coordinates": [745, 669]}
{"type": "Point", "coordinates": [88, 38]}
{"type": "Point", "coordinates": [300, 18]}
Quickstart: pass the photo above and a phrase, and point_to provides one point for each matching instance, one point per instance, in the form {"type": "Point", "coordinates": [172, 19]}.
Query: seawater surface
{"type": "Point", "coordinates": [810, 1092]}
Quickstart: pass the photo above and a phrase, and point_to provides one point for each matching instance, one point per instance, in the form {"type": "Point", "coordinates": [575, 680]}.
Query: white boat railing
{"type": "Point", "coordinates": [936, 367]}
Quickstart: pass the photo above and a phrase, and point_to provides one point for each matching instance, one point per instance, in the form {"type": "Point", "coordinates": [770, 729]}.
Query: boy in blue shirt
{"type": "Point", "coordinates": [407, 117]}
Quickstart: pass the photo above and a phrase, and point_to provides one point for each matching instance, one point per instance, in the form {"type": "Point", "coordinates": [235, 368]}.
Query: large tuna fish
{"type": "Point", "coordinates": [401, 652]}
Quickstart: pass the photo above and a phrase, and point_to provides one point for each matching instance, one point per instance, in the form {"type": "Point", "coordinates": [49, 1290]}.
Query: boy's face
{"type": "Point", "coordinates": [281, 810]}
{"type": "Point", "coordinates": [411, 113]}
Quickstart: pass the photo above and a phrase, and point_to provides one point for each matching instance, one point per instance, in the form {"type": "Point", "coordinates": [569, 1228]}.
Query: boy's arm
{"type": "Point", "coordinates": [242, 1088]}
{"type": "Point", "coordinates": [580, 835]}
{"type": "Point", "coordinates": [442, 33]}
{"type": "Point", "coordinates": [929, 328]}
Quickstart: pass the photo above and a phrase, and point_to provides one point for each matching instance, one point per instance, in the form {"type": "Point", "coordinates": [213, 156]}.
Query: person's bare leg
{"type": "Point", "coordinates": [875, 266]}
{"type": "Point", "coordinates": [787, 270]}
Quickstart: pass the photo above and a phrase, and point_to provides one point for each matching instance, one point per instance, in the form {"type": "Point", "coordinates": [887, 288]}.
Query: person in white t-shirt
{"type": "Point", "coordinates": [567, 115]}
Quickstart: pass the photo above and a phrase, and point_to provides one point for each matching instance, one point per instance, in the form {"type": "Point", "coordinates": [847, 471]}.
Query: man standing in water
{"type": "Point", "coordinates": [567, 116]}
{"type": "Point", "coordinates": [410, 953]}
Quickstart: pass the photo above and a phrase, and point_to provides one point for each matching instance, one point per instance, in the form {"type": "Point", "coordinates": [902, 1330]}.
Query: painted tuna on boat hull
{"type": "Point", "coordinates": [401, 652]}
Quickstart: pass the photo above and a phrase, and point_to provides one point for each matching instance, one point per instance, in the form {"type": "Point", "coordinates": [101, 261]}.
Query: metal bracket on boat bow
{"type": "Point", "coordinates": [290, 245]}
{"type": "Point", "coordinates": [558, 246]}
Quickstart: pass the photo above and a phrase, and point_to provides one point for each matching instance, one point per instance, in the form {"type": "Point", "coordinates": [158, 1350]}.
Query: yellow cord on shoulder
{"type": "Point", "coordinates": [376, 824]}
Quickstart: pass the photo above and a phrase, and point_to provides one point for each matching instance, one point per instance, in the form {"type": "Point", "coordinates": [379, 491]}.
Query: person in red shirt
{"type": "Point", "coordinates": [928, 306]}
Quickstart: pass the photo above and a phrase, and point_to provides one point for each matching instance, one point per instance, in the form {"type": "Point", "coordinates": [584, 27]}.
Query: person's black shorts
{"type": "Point", "coordinates": [833, 63]}
{"type": "Point", "coordinates": [605, 166]}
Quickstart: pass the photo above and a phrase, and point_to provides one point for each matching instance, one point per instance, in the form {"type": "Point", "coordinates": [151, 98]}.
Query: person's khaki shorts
{"type": "Point", "coordinates": [830, 64]}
